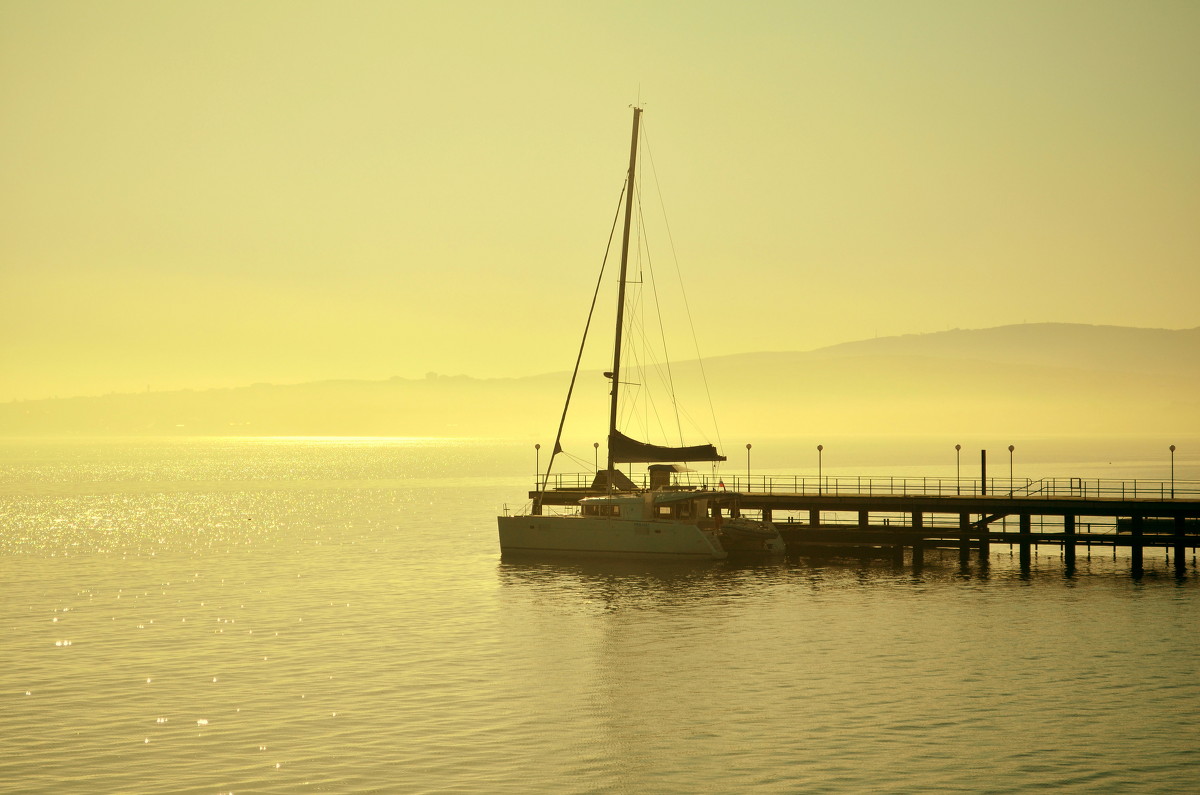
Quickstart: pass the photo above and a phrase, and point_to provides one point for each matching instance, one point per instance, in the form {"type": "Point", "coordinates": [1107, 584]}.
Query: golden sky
{"type": "Point", "coordinates": [209, 193]}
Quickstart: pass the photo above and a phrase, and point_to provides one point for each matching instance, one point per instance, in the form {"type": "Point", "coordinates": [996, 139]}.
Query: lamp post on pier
{"type": "Point", "coordinates": [1172, 471]}
{"type": "Point", "coordinates": [1010, 470]}
{"type": "Point", "coordinates": [596, 455]}
{"type": "Point", "coordinates": [537, 462]}
{"type": "Point", "coordinates": [958, 469]}
{"type": "Point", "coordinates": [820, 466]}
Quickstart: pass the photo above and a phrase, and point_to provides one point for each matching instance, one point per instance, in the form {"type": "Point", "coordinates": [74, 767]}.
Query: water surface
{"type": "Point", "coordinates": [217, 616]}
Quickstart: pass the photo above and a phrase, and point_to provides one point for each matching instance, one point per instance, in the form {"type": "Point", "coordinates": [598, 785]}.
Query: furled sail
{"type": "Point", "coordinates": [630, 451]}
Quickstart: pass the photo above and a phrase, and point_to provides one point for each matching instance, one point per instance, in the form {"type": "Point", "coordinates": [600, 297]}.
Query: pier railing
{"type": "Point", "coordinates": [1083, 488]}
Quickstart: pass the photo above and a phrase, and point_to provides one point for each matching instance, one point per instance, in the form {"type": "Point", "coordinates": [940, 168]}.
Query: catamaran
{"type": "Point", "coordinates": [619, 518]}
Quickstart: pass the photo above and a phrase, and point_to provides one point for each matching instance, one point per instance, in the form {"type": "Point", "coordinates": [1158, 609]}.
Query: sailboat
{"type": "Point", "coordinates": [663, 520]}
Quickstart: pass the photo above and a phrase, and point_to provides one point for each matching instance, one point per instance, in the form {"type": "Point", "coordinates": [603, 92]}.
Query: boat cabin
{"type": "Point", "coordinates": [686, 506]}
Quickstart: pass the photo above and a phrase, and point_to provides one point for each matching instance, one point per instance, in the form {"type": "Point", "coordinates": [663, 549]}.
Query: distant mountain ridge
{"type": "Point", "coordinates": [1072, 345]}
{"type": "Point", "coordinates": [1030, 378]}
{"type": "Point", "coordinates": [1148, 350]}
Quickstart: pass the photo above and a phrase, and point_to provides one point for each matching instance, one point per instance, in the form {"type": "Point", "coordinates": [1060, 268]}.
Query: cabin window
{"type": "Point", "coordinates": [679, 510]}
{"type": "Point", "coordinates": [601, 510]}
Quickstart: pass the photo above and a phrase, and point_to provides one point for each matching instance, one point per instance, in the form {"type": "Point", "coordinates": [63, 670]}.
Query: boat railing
{"type": "Point", "coordinates": [843, 485]}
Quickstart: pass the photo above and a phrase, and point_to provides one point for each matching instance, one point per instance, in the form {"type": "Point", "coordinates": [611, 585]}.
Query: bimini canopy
{"type": "Point", "coordinates": [630, 451]}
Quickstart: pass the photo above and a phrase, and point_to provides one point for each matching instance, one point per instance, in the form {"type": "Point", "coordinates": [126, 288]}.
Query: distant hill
{"type": "Point", "coordinates": [1149, 351]}
{"type": "Point", "coordinates": [1035, 378]}
{"type": "Point", "coordinates": [1029, 378]}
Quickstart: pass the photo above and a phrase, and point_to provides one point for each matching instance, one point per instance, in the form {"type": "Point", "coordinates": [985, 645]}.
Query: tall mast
{"type": "Point", "coordinates": [616, 370]}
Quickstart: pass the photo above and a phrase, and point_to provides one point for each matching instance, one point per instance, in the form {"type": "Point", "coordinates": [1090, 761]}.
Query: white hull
{"type": "Point", "coordinates": [607, 536]}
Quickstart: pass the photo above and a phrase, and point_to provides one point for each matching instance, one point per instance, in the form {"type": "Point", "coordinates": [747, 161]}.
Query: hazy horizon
{"type": "Point", "coordinates": [213, 194]}
{"type": "Point", "coordinates": [1021, 379]}
{"type": "Point", "coordinates": [551, 371]}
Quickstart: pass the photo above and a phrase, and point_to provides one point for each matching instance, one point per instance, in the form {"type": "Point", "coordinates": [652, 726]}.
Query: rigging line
{"type": "Point", "coordinates": [639, 403]}
{"type": "Point", "coordinates": [576, 460]}
{"type": "Point", "coordinates": [646, 355]}
{"type": "Point", "coordinates": [579, 358]}
{"type": "Point", "coordinates": [679, 275]}
{"type": "Point", "coordinates": [634, 332]}
{"type": "Point", "coordinates": [662, 332]}
{"type": "Point", "coordinates": [691, 421]}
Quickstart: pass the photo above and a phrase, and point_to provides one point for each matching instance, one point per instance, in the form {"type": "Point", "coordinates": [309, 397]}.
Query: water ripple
{"type": "Point", "coordinates": [295, 635]}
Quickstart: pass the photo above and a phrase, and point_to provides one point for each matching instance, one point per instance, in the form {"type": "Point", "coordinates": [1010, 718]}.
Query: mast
{"type": "Point", "coordinates": [616, 370]}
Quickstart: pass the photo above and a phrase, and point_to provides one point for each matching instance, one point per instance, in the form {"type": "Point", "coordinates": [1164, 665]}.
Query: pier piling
{"type": "Point", "coordinates": [1135, 563]}
{"type": "Point", "coordinates": [1024, 539]}
{"type": "Point", "coordinates": [964, 544]}
{"type": "Point", "coordinates": [1179, 553]}
{"type": "Point", "coordinates": [1069, 541]}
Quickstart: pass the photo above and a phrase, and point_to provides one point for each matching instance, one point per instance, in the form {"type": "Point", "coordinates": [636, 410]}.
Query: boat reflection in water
{"type": "Point", "coordinates": [617, 583]}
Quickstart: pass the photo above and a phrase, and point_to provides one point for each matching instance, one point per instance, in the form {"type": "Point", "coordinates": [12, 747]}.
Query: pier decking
{"type": "Point", "coordinates": [899, 516]}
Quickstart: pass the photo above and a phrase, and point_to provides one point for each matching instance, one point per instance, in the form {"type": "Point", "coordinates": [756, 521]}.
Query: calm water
{"type": "Point", "coordinates": [333, 616]}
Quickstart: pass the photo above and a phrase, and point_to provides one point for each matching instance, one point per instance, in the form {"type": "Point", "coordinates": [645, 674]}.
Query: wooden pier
{"type": "Point", "coordinates": [906, 517]}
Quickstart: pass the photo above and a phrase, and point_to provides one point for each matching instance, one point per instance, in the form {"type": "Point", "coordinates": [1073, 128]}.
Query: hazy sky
{"type": "Point", "coordinates": [207, 193]}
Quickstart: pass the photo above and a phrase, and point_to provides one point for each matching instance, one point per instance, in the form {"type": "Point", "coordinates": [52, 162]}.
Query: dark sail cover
{"type": "Point", "coordinates": [630, 451]}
